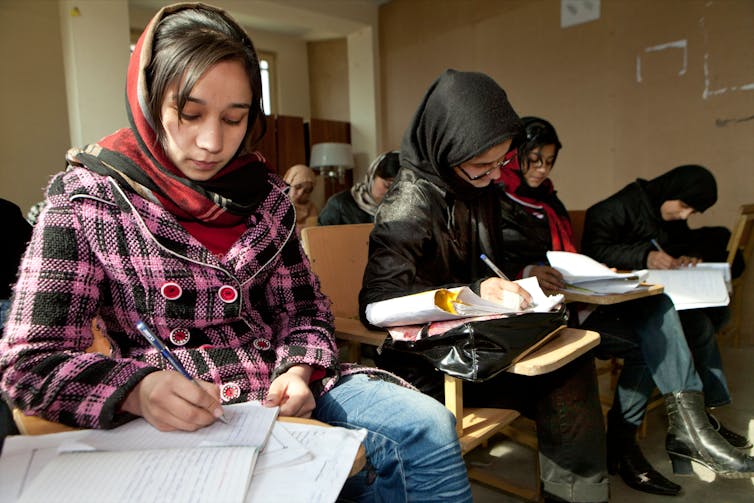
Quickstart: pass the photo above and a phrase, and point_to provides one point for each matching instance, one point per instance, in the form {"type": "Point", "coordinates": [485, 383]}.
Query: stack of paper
{"type": "Point", "coordinates": [136, 462]}
{"type": "Point", "coordinates": [455, 303]}
{"type": "Point", "coordinates": [299, 462]}
{"type": "Point", "coordinates": [582, 273]}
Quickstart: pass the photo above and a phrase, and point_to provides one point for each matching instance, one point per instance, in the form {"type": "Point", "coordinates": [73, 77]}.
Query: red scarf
{"type": "Point", "coordinates": [538, 201]}
{"type": "Point", "coordinates": [136, 155]}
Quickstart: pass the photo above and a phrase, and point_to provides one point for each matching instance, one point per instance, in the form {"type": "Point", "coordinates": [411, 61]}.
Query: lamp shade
{"type": "Point", "coordinates": [331, 154]}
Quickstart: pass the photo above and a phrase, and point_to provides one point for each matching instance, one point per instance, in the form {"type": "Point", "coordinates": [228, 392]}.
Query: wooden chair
{"type": "Point", "coordinates": [741, 239]}
{"type": "Point", "coordinates": [338, 255]}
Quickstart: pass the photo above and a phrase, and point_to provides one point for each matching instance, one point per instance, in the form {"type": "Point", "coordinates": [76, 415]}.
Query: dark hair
{"type": "Point", "coordinates": [388, 166]}
{"type": "Point", "coordinates": [187, 44]}
{"type": "Point", "coordinates": [536, 133]}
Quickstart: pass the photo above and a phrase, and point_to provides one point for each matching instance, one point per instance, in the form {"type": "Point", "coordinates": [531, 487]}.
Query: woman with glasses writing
{"type": "Point", "coordinates": [440, 214]}
{"type": "Point", "coordinates": [646, 333]}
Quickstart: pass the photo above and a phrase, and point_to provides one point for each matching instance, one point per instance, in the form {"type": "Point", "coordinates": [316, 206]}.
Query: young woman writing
{"type": "Point", "coordinates": [646, 333]}
{"type": "Point", "coordinates": [176, 221]}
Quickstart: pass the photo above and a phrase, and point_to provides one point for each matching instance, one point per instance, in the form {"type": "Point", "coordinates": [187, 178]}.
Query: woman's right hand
{"type": "Point", "coordinates": [501, 290]}
{"type": "Point", "coordinates": [169, 401]}
{"type": "Point", "coordinates": [661, 260]}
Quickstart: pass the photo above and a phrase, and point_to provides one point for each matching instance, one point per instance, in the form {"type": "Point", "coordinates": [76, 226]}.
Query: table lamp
{"type": "Point", "coordinates": [332, 160]}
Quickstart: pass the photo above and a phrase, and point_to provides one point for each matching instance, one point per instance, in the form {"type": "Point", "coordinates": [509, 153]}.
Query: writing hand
{"type": "Point", "coordinates": [550, 279]}
{"type": "Point", "coordinates": [684, 261]}
{"type": "Point", "coordinates": [169, 401]}
{"type": "Point", "coordinates": [290, 391]}
{"type": "Point", "coordinates": [661, 260]}
{"type": "Point", "coordinates": [497, 289]}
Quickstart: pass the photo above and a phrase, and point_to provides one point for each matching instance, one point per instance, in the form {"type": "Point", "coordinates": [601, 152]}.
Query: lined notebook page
{"type": "Point", "coordinates": [207, 474]}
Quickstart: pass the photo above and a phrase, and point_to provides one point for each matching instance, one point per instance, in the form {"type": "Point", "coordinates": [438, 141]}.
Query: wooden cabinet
{"type": "Point", "coordinates": [289, 139]}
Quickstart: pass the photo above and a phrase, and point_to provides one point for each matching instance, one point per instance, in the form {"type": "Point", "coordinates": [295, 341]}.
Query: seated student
{"type": "Point", "coordinates": [17, 232]}
{"type": "Point", "coordinates": [438, 217]}
{"type": "Point", "coordinates": [626, 230]}
{"type": "Point", "coordinates": [646, 333]}
{"type": "Point", "coordinates": [358, 205]}
{"type": "Point", "coordinates": [301, 178]}
{"type": "Point", "coordinates": [184, 227]}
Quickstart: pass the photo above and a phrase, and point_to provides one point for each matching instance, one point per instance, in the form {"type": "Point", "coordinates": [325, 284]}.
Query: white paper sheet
{"type": "Point", "coordinates": [581, 272]}
{"type": "Point", "coordinates": [318, 480]}
{"type": "Point", "coordinates": [692, 287]}
{"type": "Point", "coordinates": [199, 475]}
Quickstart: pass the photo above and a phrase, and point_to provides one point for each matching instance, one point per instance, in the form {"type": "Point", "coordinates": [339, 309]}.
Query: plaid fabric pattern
{"type": "Point", "coordinates": [99, 249]}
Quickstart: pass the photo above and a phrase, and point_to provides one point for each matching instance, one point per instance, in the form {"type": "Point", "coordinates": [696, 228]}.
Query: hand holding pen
{"type": "Point", "coordinates": [660, 259]}
{"type": "Point", "coordinates": [176, 364]}
{"type": "Point", "coordinates": [507, 292]}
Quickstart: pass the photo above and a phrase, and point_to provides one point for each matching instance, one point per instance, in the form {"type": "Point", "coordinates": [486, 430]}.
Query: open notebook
{"type": "Point", "coordinates": [582, 273]}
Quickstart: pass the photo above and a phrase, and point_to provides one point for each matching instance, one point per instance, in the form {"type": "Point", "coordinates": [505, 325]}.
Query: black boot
{"type": "Point", "coordinates": [691, 437]}
{"type": "Point", "coordinates": [733, 438]}
{"type": "Point", "coordinates": [624, 457]}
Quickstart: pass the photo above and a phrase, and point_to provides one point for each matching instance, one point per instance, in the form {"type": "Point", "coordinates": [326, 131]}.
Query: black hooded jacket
{"type": "Point", "coordinates": [432, 224]}
{"type": "Point", "coordinates": [618, 231]}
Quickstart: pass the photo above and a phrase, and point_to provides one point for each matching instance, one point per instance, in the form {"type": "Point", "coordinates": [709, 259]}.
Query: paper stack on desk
{"type": "Point", "coordinates": [583, 273]}
{"type": "Point", "coordinates": [454, 303]}
{"type": "Point", "coordinates": [135, 462]}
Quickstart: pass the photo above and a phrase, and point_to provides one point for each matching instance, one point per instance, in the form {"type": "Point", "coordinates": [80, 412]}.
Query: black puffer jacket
{"type": "Point", "coordinates": [526, 238]}
{"type": "Point", "coordinates": [341, 209]}
{"type": "Point", "coordinates": [618, 232]}
{"type": "Point", "coordinates": [433, 225]}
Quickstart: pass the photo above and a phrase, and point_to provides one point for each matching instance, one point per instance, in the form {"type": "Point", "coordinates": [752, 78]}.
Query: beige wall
{"type": "Point", "coordinates": [648, 86]}
{"type": "Point", "coordinates": [328, 79]}
{"type": "Point", "coordinates": [34, 131]}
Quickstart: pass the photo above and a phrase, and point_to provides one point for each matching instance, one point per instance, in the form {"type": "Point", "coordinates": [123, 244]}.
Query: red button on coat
{"type": "Point", "coordinates": [171, 290]}
{"type": "Point", "coordinates": [261, 344]}
{"type": "Point", "coordinates": [230, 391]}
{"type": "Point", "coordinates": [180, 336]}
{"type": "Point", "coordinates": [227, 294]}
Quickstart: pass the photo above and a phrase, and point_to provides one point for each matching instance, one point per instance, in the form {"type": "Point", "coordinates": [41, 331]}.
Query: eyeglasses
{"type": "Point", "coordinates": [535, 160]}
{"type": "Point", "coordinates": [495, 165]}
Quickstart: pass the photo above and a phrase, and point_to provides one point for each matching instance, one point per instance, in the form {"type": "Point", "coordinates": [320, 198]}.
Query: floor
{"type": "Point", "coordinates": [517, 461]}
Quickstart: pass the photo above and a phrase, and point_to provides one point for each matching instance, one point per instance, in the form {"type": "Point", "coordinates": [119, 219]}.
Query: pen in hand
{"type": "Point", "coordinates": [656, 245]}
{"type": "Point", "coordinates": [170, 357]}
{"type": "Point", "coordinates": [492, 266]}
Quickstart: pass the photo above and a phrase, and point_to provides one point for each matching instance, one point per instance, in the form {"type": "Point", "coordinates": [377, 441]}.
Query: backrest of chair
{"type": "Point", "coordinates": [338, 254]}
{"type": "Point", "coordinates": [577, 224]}
{"type": "Point", "coordinates": [742, 237]}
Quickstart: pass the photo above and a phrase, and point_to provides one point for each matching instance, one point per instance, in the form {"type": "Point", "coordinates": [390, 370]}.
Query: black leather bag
{"type": "Point", "coordinates": [478, 350]}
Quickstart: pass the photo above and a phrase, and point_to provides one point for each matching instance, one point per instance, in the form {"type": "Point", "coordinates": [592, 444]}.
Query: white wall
{"type": "Point", "coordinates": [95, 55]}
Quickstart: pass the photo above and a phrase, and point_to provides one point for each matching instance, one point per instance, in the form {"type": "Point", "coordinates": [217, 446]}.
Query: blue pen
{"type": "Point", "coordinates": [170, 357]}
{"type": "Point", "coordinates": [492, 266]}
{"type": "Point", "coordinates": [656, 245]}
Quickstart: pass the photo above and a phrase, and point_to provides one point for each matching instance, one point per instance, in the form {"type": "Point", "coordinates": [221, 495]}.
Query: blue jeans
{"type": "Point", "coordinates": [647, 333]}
{"type": "Point", "coordinates": [411, 445]}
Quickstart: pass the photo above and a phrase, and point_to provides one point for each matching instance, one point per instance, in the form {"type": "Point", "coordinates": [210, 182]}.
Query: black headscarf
{"type": "Point", "coordinates": [462, 115]}
{"type": "Point", "coordinates": [692, 184]}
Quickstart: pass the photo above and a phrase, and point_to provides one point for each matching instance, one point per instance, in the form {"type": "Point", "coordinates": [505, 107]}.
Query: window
{"type": "Point", "coordinates": [267, 69]}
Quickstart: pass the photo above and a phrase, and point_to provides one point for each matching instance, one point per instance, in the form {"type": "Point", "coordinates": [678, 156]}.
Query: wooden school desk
{"type": "Point", "coordinates": [641, 291]}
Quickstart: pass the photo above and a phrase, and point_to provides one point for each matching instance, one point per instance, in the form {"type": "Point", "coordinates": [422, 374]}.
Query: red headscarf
{"type": "Point", "coordinates": [135, 155]}
{"type": "Point", "coordinates": [539, 201]}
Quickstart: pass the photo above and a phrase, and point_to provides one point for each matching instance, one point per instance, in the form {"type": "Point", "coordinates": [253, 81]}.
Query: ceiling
{"type": "Point", "coordinates": [305, 19]}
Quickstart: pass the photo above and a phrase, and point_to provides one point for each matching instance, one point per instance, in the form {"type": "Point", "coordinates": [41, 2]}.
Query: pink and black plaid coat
{"type": "Point", "coordinates": [238, 321]}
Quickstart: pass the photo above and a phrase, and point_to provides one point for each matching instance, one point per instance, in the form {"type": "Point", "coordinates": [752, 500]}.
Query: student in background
{"type": "Point", "coordinates": [535, 221]}
{"type": "Point", "coordinates": [301, 178]}
{"type": "Point", "coordinates": [184, 227]}
{"type": "Point", "coordinates": [359, 204]}
{"type": "Point", "coordinates": [644, 225]}
{"type": "Point", "coordinates": [16, 233]}
{"type": "Point", "coordinates": [440, 214]}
